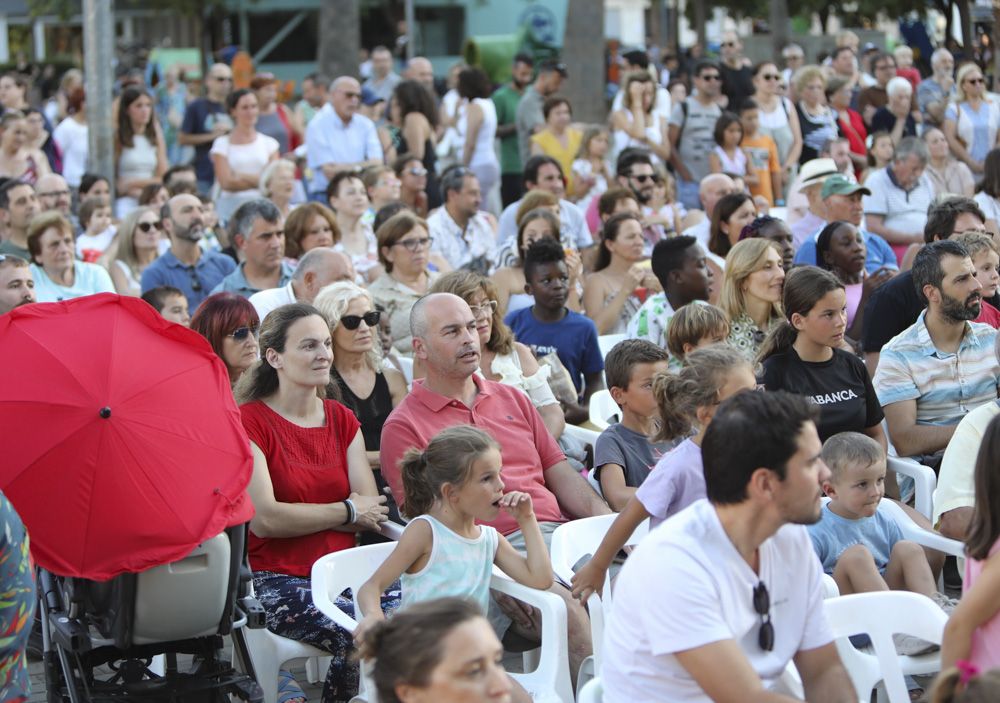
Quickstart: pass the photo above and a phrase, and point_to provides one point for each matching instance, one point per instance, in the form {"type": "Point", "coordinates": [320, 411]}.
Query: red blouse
{"type": "Point", "coordinates": [307, 465]}
{"type": "Point", "coordinates": [855, 132]}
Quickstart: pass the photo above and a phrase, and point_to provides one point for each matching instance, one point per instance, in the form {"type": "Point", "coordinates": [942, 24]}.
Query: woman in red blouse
{"type": "Point", "coordinates": [849, 122]}
{"type": "Point", "coordinates": [311, 485]}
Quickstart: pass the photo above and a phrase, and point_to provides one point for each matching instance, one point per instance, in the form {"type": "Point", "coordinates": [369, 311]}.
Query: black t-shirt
{"type": "Point", "coordinates": [841, 387]}
{"type": "Point", "coordinates": [737, 85]}
{"type": "Point", "coordinates": [891, 309]}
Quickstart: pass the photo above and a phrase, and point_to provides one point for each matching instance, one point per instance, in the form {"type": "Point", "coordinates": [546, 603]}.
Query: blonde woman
{"type": "Point", "coordinates": [137, 240]}
{"type": "Point", "coordinates": [751, 293]}
{"type": "Point", "coordinates": [277, 184]}
{"type": "Point", "coordinates": [817, 120]}
{"type": "Point", "coordinates": [971, 122]}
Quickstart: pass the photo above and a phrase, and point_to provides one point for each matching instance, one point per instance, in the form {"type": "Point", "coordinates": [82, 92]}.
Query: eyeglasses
{"type": "Point", "coordinates": [415, 244]}
{"type": "Point", "coordinates": [885, 67]}
{"type": "Point", "coordinates": [711, 77]}
{"type": "Point", "coordinates": [416, 171]}
{"type": "Point", "coordinates": [351, 95]}
{"type": "Point", "coordinates": [222, 79]}
{"type": "Point", "coordinates": [762, 606]}
{"type": "Point", "coordinates": [975, 81]}
{"type": "Point", "coordinates": [146, 226]}
{"type": "Point", "coordinates": [643, 177]}
{"type": "Point", "coordinates": [352, 322]}
{"type": "Point", "coordinates": [240, 334]}
{"type": "Point", "coordinates": [771, 77]}
{"type": "Point", "coordinates": [55, 194]}
{"type": "Point", "coordinates": [195, 283]}
{"type": "Point", "coordinates": [484, 309]}
{"type": "Point", "coordinates": [728, 43]}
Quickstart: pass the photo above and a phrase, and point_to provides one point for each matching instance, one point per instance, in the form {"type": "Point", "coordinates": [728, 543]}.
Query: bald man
{"type": "Point", "coordinates": [420, 69]}
{"type": "Point", "coordinates": [339, 138]}
{"type": "Point", "coordinates": [711, 190]}
{"type": "Point", "coordinates": [317, 269]}
{"type": "Point", "coordinates": [205, 119]}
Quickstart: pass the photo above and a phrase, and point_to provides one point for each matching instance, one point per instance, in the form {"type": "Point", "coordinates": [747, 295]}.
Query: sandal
{"type": "Point", "coordinates": [289, 690]}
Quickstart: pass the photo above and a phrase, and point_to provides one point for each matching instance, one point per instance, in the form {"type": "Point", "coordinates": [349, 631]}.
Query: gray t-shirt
{"type": "Point", "coordinates": [697, 136]}
{"type": "Point", "coordinates": [529, 115]}
{"type": "Point", "coordinates": [629, 449]}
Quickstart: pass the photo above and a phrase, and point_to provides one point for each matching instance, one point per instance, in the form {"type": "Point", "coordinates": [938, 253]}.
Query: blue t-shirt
{"type": "Point", "coordinates": [833, 535]}
{"type": "Point", "coordinates": [199, 118]}
{"type": "Point", "coordinates": [573, 338]}
{"type": "Point", "coordinates": [878, 253]}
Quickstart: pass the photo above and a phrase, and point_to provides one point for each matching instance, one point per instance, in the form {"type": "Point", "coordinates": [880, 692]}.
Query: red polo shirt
{"type": "Point", "coordinates": [506, 414]}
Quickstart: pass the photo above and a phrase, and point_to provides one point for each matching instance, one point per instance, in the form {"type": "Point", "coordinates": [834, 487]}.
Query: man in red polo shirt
{"type": "Point", "coordinates": [446, 341]}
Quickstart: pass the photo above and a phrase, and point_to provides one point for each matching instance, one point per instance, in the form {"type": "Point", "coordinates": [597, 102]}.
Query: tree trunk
{"type": "Point", "coordinates": [993, 43]}
{"type": "Point", "coordinates": [779, 25]}
{"type": "Point", "coordinates": [339, 38]}
{"type": "Point", "coordinates": [700, 19]}
{"type": "Point", "coordinates": [948, 24]}
{"type": "Point", "coordinates": [968, 38]}
{"type": "Point", "coordinates": [584, 55]}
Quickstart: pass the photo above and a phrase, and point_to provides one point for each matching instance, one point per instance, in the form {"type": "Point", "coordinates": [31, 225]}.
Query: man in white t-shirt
{"type": "Point", "coordinates": [715, 602]}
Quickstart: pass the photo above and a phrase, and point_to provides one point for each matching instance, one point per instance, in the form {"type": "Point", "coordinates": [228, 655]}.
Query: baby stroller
{"type": "Point", "coordinates": [119, 640]}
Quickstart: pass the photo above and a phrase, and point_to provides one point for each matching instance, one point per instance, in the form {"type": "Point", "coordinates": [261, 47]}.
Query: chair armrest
{"type": "Point", "coordinates": [321, 597]}
{"type": "Point", "coordinates": [924, 482]}
{"type": "Point", "coordinates": [391, 530]}
{"type": "Point", "coordinates": [915, 533]}
{"type": "Point", "coordinates": [582, 433]}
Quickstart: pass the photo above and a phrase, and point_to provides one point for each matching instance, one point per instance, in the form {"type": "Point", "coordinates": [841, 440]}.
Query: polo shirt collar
{"type": "Point", "coordinates": [435, 402]}
{"type": "Point", "coordinates": [924, 336]}
{"type": "Point", "coordinates": [892, 179]}
{"type": "Point", "coordinates": [171, 260]}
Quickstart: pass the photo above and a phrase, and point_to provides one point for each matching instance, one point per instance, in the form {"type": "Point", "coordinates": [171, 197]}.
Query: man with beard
{"type": "Point", "coordinates": [692, 132]}
{"type": "Point", "coordinates": [452, 393]}
{"type": "Point", "coordinates": [17, 287]}
{"type": "Point", "coordinates": [506, 99]}
{"type": "Point", "coordinates": [943, 366]}
{"type": "Point", "coordinates": [635, 171]}
{"type": "Point", "coordinates": [740, 567]}
{"type": "Point", "coordinates": [184, 265]}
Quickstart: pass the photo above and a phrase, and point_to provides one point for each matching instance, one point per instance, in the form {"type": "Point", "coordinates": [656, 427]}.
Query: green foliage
{"type": "Point", "coordinates": [68, 8]}
{"type": "Point", "coordinates": [860, 12]}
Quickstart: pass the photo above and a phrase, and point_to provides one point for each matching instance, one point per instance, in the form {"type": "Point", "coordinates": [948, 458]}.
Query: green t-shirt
{"type": "Point", "coordinates": [506, 100]}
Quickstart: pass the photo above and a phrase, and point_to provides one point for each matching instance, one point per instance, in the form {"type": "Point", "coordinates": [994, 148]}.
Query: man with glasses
{"type": "Point", "coordinates": [895, 305]}
{"type": "Point", "coordinates": [736, 71]}
{"type": "Point", "coordinates": [794, 58]}
{"type": "Point", "coordinates": [873, 97]}
{"type": "Point", "coordinates": [205, 119]}
{"type": "Point", "coordinates": [731, 583]}
{"type": "Point", "coordinates": [17, 286]}
{"type": "Point", "coordinates": [339, 139]}
{"type": "Point", "coordinates": [530, 119]}
{"type": "Point", "coordinates": [53, 193]}
{"type": "Point", "coordinates": [184, 265]}
{"type": "Point", "coordinates": [635, 171]}
{"type": "Point", "coordinates": [692, 132]}
{"type": "Point", "coordinates": [258, 232]}
{"type": "Point", "coordinates": [317, 269]}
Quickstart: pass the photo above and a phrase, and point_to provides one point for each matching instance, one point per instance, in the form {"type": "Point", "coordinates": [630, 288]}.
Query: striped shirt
{"type": "Point", "coordinates": [946, 386]}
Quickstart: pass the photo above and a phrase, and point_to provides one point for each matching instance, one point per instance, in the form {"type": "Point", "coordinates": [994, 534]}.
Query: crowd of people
{"type": "Point", "coordinates": [409, 289]}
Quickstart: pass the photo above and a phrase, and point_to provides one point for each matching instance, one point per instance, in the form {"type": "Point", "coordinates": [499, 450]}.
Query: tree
{"type": "Point", "coordinates": [585, 58]}
{"type": "Point", "coordinates": [339, 38]}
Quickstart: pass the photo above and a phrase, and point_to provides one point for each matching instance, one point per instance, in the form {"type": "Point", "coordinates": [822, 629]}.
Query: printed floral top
{"type": "Point", "coordinates": [17, 604]}
{"type": "Point", "coordinates": [747, 337]}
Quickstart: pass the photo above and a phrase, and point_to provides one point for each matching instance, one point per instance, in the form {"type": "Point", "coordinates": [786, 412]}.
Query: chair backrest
{"type": "Point", "coordinates": [880, 615]}
{"type": "Point", "coordinates": [592, 692]}
{"type": "Point", "coordinates": [347, 569]}
{"type": "Point", "coordinates": [603, 409]}
{"type": "Point", "coordinates": [606, 342]}
{"type": "Point", "coordinates": [406, 363]}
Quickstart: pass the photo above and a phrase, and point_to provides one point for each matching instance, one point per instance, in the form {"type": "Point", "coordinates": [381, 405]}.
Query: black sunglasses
{"type": "Point", "coordinates": [762, 606]}
{"type": "Point", "coordinates": [711, 77]}
{"type": "Point", "coordinates": [643, 177]}
{"type": "Point", "coordinates": [352, 322]}
{"type": "Point", "coordinates": [146, 226]}
{"type": "Point", "coordinates": [195, 283]}
{"type": "Point", "coordinates": [241, 333]}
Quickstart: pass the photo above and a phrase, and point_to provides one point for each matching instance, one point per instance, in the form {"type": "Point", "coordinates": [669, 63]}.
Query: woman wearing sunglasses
{"type": "Point", "coordinates": [413, 181]}
{"type": "Point", "coordinates": [229, 323]}
{"type": "Point", "coordinates": [139, 236]}
{"type": "Point", "coordinates": [972, 121]}
{"type": "Point", "coordinates": [404, 248]}
{"type": "Point", "coordinates": [361, 381]}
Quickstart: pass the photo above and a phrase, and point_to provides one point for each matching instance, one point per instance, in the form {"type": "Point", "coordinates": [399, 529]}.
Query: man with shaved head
{"type": "Point", "coordinates": [711, 190]}
{"type": "Point", "coordinates": [339, 139]}
{"type": "Point", "coordinates": [317, 269]}
{"type": "Point", "coordinates": [446, 342]}
{"type": "Point", "coordinates": [420, 69]}
{"type": "Point", "coordinates": [205, 119]}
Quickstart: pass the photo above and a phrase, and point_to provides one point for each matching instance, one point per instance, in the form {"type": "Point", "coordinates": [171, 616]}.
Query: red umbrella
{"type": "Point", "coordinates": [123, 447]}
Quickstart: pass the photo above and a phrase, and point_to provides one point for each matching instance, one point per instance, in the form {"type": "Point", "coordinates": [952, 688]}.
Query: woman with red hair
{"type": "Point", "coordinates": [229, 323]}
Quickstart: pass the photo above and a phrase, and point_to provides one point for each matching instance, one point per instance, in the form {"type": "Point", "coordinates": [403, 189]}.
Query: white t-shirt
{"type": "Point", "coordinates": [71, 138]}
{"type": "Point", "coordinates": [267, 300]}
{"type": "Point", "coordinates": [686, 586]}
{"type": "Point", "coordinates": [243, 158]}
{"type": "Point", "coordinates": [989, 205]}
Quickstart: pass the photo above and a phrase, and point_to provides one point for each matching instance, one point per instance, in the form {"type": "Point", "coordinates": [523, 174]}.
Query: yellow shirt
{"type": "Point", "coordinates": [564, 155]}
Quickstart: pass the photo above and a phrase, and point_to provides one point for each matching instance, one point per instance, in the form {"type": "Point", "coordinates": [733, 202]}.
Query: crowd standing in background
{"type": "Point", "coordinates": [380, 264]}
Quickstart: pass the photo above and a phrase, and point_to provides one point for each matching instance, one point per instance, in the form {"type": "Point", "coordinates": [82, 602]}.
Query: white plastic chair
{"type": "Point", "coordinates": [350, 568]}
{"type": "Point", "coordinates": [571, 542]}
{"type": "Point", "coordinates": [406, 364]}
{"type": "Point", "coordinates": [607, 341]}
{"type": "Point", "coordinates": [924, 479]}
{"type": "Point", "coordinates": [881, 615]}
{"type": "Point", "coordinates": [592, 692]}
{"type": "Point", "coordinates": [779, 212]}
{"type": "Point", "coordinates": [602, 409]}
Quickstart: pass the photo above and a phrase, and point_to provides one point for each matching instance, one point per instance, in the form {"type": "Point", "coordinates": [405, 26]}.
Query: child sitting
{"type": "Point", "coordinates": [687, 400]}
{"type": "Point", "coordinates": [549, 326]}
{"type": "Point", "coordinates": [450, 486]}
{"type": "Point", "coordinates": [693, 327]}
{"type": "Point", "coordinates": [95, 219]}
{"type": "Point", "coordinates": [861, 548]}
{"type": "Point", "coordinates": [762, 154]}
{"type": "Point", "coordinates": [170, 302]}
{"type": "Point", "coordinates": [623, 454]}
